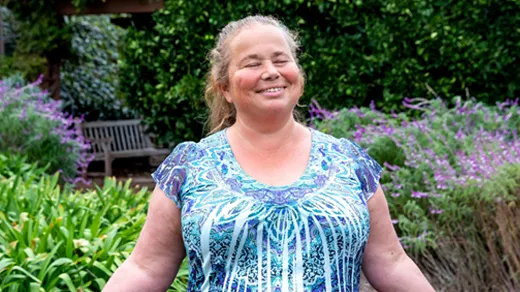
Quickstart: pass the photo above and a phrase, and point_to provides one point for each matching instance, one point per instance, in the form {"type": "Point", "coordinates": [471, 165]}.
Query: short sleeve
{"type": "Point", "coordinates": [171, 175]}
{"type": "Point", "coordinates": [368, 170]}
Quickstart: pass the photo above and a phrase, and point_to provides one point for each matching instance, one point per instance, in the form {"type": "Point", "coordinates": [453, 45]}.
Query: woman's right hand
{"type": "Point", "coordinates": [159, 251]}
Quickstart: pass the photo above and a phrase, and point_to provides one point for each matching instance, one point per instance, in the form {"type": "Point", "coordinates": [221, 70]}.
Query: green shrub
{"type": "Point", "coordinates": [452, 180]}
{"type": "Point", "coordinates": [90, 83]}
{"type": "Point", "coordinates": [352, 52]}
{"type": "Point", "coordinates": [59, 239]}
{"type": "Point", "coordinates": [33, 125]}
{"type": "Point", "coordinates": [29, 66]}
{"type": "Point", "coordinates": [429, 160]}
{"type": "Point", "coordinates": [13, 165]}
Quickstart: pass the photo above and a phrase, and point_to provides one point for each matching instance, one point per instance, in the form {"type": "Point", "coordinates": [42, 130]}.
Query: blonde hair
{"type": "Point", "coordinates": [222, 114]}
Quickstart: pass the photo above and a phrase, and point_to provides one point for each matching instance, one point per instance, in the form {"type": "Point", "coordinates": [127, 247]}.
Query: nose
{"type": "Point", "coordinates": [270, 71]}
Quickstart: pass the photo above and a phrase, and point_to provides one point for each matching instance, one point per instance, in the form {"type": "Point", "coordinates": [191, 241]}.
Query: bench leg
{"type": "Point", "coordinates": [108, 165]}
{"type": "Point", "coordinates": [108, 158]}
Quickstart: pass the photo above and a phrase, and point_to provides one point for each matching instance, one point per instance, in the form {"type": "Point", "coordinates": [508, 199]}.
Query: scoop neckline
{"type": "Point", "coordinates": [260, 184]}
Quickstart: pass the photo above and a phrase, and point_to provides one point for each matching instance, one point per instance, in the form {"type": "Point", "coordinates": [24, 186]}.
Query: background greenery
{"type": "Point", "coordinates": [352, 52]}
{"type": "Point", "coordinates": [90, 80]}
{"type": "Point", "coordinates": [452, 180]}
{"type": "Point", "coordinates": [29, 65]}
{"type": "Point", "coordinates": [32, 124]}
{"type": "Point", "coordinates": [87, 47]}
{"type": "Point", "coordinates": [54, 238]}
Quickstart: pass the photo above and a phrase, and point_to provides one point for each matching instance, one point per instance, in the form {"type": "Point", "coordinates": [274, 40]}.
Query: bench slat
{"type": "Point", "coordinates": [88, 136]}
{"type": "Point", "coordinates": [113, 132]}
{"type": "Point", "coordinates": [113, 145]}
{"type": "Point", "coordinates": [137, 137]}
{"type": "Point", "coordinates": [130, 137]}
{"type": "Point", "coordinates": [95, 136]}
{"type": "Point", "coordinates": [99, 135]}
{"type": "Point", "coordinates": [127, 139]}
{"type": "Point", "coordinates": [107, 135]}
{"type": "Point", "coordinates": [121, 137]}
{"type": "Point", "coordinates": [124, 135]}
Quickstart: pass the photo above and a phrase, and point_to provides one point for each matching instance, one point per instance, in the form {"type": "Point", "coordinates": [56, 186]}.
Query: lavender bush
{"type": "Point", "coordinates": [33, 125]}
{"type": "Point", "coordinates": [437, 162]}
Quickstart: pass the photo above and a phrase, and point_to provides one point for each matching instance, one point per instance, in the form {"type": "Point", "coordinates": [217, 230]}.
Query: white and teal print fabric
{"type": "Point", "coordinates": [243, 235]}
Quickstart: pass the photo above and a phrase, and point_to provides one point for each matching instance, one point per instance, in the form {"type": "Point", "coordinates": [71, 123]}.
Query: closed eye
{"type": "Point", "coordinates": [252, 65]}
{"type": "Point", "coordinates": [281, 61]}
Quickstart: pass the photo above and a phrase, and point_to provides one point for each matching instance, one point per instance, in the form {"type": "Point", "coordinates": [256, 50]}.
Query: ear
{"type": "Point", "coordinates": [225, 91]}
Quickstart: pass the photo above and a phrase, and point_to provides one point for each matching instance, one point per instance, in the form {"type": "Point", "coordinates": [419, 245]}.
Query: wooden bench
{"type": "Point", "coordinates": [119, 139]}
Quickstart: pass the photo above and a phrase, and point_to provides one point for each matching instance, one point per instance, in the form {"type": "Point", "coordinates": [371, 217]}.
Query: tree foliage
{"type": "Point", "coordinates": [353, 52]}
{"type": "Point", "coordinates": [43, 40]}
{"type": "Point", "coordinates": [28, 64]}
{"type": "Point", "coordinates": [90, 80]}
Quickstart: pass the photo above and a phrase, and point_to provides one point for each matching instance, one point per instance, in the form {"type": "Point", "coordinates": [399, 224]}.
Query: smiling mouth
{"type": "Point", "coordinates": [273, 89]}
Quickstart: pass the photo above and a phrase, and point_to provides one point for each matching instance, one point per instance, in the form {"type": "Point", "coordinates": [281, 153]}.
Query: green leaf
{"type": "Point", "coordinates": [45, 266]}
{"type": "Point", "coordinates": [102, 268]}
{"type": "Point", "coordinates": [68, 281]}
{"type": "Point", "coordinates": [25, 272]}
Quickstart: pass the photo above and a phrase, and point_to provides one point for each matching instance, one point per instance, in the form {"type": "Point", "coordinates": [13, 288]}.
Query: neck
{"type": "Point", "coordinates": [267, 136]}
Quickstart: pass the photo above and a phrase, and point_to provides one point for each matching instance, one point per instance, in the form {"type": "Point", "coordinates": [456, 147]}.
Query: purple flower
{"type": "Point", "coordinates": [391, 167]}
{"type": "Point", "coordinates": [419, 195]}
{"type": "Point", "coordinates": [436, 211]}
{"type": "Point", "coordinates": [422, 235]}
{"type": "Point", "coordinates": [372, 105]}
{"type": "Point", "coordinates": [459, 134]}
{"type": "Point", "coordinates": [23, 114]}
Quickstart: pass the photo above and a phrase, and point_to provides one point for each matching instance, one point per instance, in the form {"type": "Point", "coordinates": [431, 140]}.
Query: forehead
{"type": "Point", "coordinates": [258, 39]}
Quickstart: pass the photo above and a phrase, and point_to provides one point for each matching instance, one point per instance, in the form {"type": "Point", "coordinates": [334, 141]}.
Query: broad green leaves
{"type": "Point", "coordinates": [54, 238]}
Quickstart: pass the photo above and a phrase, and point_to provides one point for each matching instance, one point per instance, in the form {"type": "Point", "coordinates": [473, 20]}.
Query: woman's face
{"type": "Point", "coordinates": [264, 79]}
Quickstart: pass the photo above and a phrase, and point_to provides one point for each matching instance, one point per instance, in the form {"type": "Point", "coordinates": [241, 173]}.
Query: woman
{"type": "Point", "coordinates": [266, 203]}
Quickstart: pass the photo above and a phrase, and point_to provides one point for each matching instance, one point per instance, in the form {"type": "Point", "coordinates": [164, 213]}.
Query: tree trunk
{"type": "Point", "coordinates": [51, 78]}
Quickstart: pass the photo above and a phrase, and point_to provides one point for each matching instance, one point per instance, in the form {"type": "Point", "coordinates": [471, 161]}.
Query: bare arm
{"type": "Point", "coordinates": [159, 251]}
{"type": "Point", "coordinates": [385, 263]}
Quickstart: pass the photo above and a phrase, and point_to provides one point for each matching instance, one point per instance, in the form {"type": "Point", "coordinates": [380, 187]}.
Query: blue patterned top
{"type": "Point", "coordinates": [243, 235]}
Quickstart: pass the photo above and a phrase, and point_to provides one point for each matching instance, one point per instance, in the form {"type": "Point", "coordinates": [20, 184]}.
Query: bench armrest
{"type": "Point", "coordinates": [103, 142]}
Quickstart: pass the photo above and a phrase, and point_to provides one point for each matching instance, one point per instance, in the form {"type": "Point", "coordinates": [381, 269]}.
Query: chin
{"type": "Point", "coordinates": [278, 107]}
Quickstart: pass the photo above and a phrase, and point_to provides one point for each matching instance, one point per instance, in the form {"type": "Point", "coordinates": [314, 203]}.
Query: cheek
{"type": "Point", "coordinates": [292, 74]}
{"type": "Point", "coordinates": [245, 80]}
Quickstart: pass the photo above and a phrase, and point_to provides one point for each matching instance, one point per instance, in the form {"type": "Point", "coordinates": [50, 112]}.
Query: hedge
{"type": "Point", "coordinates": [90, 81]}
{"type": "Point", "coordinates": [353, 52]}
